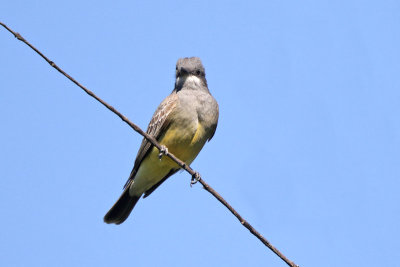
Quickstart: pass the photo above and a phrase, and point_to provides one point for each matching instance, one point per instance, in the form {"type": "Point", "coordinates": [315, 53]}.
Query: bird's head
{"type": "Point", "coordinates": [190, 73]}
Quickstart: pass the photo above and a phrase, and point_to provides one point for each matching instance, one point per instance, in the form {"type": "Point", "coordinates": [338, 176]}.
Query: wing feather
{"type": "Point", "coordinates": [158, 124]}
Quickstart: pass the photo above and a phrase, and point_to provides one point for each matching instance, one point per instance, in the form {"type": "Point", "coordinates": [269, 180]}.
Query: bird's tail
{"type": "Point", "coordinates": [122, 208]}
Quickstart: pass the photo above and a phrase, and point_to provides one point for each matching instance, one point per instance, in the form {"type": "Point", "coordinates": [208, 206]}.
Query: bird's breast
{"type": "Point", "coordinates": [184, 142]}
{"type": "Point", "coordinates": [193, 123]}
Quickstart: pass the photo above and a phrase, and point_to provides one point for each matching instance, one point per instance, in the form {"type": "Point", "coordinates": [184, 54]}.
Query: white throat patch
{"type": "Point", "coordinates": [191, 81]}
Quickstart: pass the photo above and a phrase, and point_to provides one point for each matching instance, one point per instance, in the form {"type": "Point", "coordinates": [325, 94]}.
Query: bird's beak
{"type": "Point", "coordinates": [184, 70]}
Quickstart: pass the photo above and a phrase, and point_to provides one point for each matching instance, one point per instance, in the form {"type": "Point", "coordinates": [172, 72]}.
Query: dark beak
{"type": "Point", "coordinates": [184, 70]}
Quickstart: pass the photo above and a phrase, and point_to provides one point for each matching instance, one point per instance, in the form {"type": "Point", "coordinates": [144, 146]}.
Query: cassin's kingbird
{"type": "Point", "coordinates": [182, 123]}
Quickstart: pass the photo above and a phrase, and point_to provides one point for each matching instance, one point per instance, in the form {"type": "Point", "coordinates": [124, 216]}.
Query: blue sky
{"type": "Point", "coordinates": [307, 148]}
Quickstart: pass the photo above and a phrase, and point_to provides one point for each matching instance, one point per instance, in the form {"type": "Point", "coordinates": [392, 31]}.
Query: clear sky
{"type": "Point", "coordinates": [307, 148]}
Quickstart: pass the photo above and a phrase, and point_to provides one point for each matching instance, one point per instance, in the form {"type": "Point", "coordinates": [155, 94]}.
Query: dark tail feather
{"type": "Point", "coordinates": [122, 208]}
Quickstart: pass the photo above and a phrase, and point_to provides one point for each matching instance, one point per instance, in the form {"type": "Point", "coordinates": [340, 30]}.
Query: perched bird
{"type": "Point", "coordinates": [183, 122]}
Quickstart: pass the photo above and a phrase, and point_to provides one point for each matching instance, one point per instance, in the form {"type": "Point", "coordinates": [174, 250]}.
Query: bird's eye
{"type": "Point", "coordinates": [198, 72]}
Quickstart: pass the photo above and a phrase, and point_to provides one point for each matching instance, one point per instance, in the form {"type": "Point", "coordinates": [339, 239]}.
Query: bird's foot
{"type": "Point", "coordinates": [163, 151]}
{"type": "Point", "coordinates": [195, 178]}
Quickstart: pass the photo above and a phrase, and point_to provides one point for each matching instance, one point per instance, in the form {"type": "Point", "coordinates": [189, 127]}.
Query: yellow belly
{"type": "Point", "coordinates": [183, 143]}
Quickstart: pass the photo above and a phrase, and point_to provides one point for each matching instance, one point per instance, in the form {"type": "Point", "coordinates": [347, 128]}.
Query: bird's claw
{"type": "Point", "coordinates": [195, 178]}
{"type": "Point", "coordinates": [163, 151]}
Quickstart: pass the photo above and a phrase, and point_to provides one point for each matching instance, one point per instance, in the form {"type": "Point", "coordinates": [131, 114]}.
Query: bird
{"type": "Point", "coordinates": [183, 122]}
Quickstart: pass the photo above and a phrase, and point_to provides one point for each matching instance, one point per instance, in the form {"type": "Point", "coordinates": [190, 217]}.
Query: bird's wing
{"type": "Point", "coordinates": [214, 128]}
{"type": "Point", "coordinates": [157, 126]}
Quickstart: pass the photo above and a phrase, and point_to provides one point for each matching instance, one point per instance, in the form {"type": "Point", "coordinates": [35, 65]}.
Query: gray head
{"type": "Point", "coordinates": [190, 73]}
{"type": "Point", "coordinates": [189, 66]}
